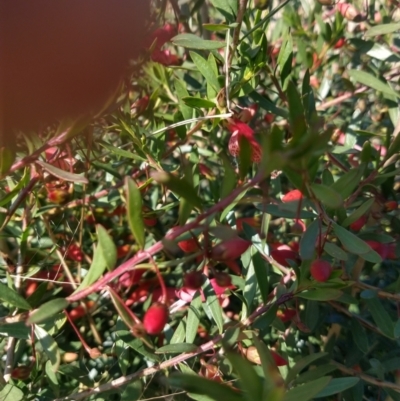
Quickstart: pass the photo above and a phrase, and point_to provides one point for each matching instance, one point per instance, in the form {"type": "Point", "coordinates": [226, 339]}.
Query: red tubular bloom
{"type": "Point", "coordinates": [230, 249]}
{"type": "Point", "coordinates": [241, 130]}
{"type": "Point", "coordinates": [163, 35]}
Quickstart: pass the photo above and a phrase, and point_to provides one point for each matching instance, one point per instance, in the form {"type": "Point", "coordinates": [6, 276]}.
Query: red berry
{"type": "Point", "coordinates": [320, 270]}
{"type": "Point", "coordinates": [57, 196]}
{"type": "Point", "coordinates": [358, 224]}
{"type": "Point", "coordinates": [77, 312]}
{"type": "Point", "coordinates": [286, 315]}
{"type": "Point", "coordinates": [155, 318]}
{"type": "Point", "coordinates": [291, 196]}
{"type": "Point", "coordinates": [188, 245]}
{"type": "Point", "coordinates": [298, 227]}
{"type": "Point", "coordinates": [390, 206]}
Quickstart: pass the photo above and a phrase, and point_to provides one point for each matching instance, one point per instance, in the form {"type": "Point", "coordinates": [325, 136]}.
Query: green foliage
{"type": "Point", "coordinates": [253, 142]}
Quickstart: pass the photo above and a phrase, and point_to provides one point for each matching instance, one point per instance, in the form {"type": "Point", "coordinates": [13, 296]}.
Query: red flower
{"type": "Point", "coordinates": [241, 131]}
{"type": "Point", "coordinates": [74, 252]}
{"type": "Point", "coordinates": [163, 35]}
{"type": "Point", "coordinates": [230, 249]}
{"type": "Point", "coordinates": [165, 57]}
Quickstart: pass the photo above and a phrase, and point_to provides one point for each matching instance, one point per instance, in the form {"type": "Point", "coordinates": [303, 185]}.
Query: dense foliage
{"type": "Point", "coordinates": [227, 229]}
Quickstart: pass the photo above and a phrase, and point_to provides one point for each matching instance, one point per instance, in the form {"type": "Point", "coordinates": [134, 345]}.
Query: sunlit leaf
{"type": "Point", "coordinates": [134, 211]}
{"type": "Point", "coordinates": [47, 310]}
{"type": "Point", "coordinates": [11, 297]}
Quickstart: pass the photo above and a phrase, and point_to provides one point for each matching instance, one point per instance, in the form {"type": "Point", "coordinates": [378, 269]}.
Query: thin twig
{"type": "Point", "coordinates": [367, 378]}
{"type": "Point", "coordinates": [236, 33]}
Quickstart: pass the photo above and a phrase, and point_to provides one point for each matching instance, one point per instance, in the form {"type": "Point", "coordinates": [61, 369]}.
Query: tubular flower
{"type": "Point", "coordinates": [240, 131]}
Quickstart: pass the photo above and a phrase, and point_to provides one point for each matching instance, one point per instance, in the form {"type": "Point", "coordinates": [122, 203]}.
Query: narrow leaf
{"type": "Point", "coordinates": [337, 386]}
{"type": "Point", "coordinates": [249, 380]}
{"type": "Point", "coordinates": [134, 211]}
{"type": "Point", "coordinates": [62, 174]}
{"type": "Point", "coordinates": [382, 29]}
{"type": "Point", "coordinates": [369, 80]}
{"type": "Point", "coordinates": [10, 296]}
{"type": "Point", "coordinates": [205, 70]}
{"type": "Point", "coordinates": [47, 310]}
{"type": "Point", "coordinates": [179, 186]}
{"type": "Point", "coordinates": [191, 41]}
{"type": "Point", "coordinates": [49, 347]}
{"type": "Point", "coordinates": [381, 316]}
{"type": "Point", "coordinates": [348, 182]}
{"type": "Point", "coordinates": [193, 318]}
{"type": "Point", "coordinates": [178, 348]}
{"type": "Point", "coordinates": [107, 247]}
{"type": "Point", "coordinates": [302, 364]}
{"type": "Point", "coordinates": [200, 385]}
{"type": "Point", "coordinates": [350, 241]}
{"type": "Point", "coordinates": [359, 212]}
{"type": "Point", "coordinates": [320, 294]}
{"type": "Point", "coordinates": [307, 391]}
{"type": "Point", "coordinates": [328, 196]}
{"type": "Point", "coordinates": [212, 302]}
{"type": "Point", "coordinates": [95, 271]}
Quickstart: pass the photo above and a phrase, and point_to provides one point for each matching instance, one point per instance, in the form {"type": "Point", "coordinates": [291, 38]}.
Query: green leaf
{"type": "Point", "coordinates": [193, 318]}
{"type": "Point", "coordinates": [348, 182]}
{"type": "Point", "coordinates": [359, 212]}
{"type": "Point", "coordinates": [382, 29]}
{"type": "Point", "coordinates": [17, 330]}
{"type": "Point", "coordinates": [335, 251]}
{"type": "Point", "coordinates": [308, 241]}
{"type": "Point", "coordinates": [205, 69]}
{"type": "Point", "coordinates": [49, 347]}
{"type": "Point", "coordinates": [216, 27]}
{"type": "Point", "coordinates": [107, 247]}
{"type": "Point", "coordinates": [261, 272]}
{"type": "Point", "coordinates": [212, 302]}
{"type": "Point", "coordinates": [11, 393]}
{"type": "Point", "coordinates": [302, 364]}
{"type": "Point", "coordinates": [179, 333]}
{"type": "Point", "coordinates": [178, 348]}
{"type": "Point", "coordinates": [47, 309]}
{"type": "Point", "coordinates": [62, 174]}
{"type": "Point", "coordinates": [249, 380]}
{"type": "Point", "coordinates": [200, 385]}
{"type": "Point", "coordinates": [369, 80]}
{"type": "Point", "coordinates": [197, 102]}
{"type": "Point", "coordinates": [179, 186]}
{"type": "Point", "coordinates": [10, 296]}
{"type": "Point", "coordinates": [307, 391]}
{"type": "Point", "coordinates": [136, 344]}
{"type": "Point", "coordinates": [337, 386]}
{"type": "Point", "coordinates": [182, 92]}
{"type": "Point", "coordinates": [326, 294]}
{"type": "Point", "coordinates": [296, 113]}
{"type": "Point", "coordinates": [121, 152]}
{"type": "Point", "coordinates": [359, 335]}
{"type": "Point", "coordinates": [355, 245]}
{"type": "Point", "coordinates": [328, 196]}
{"type": "Point", "coordinates": [191, 41]}
{"type": "Point", "coordinates": [134, 211]}
{"type": "Point", "coordinates": [313, 374]}
{"type": "Point", "coordinates": [397, 329]}
{"type": "Point", "coordinates": [381, 316]}
{"type": "Point", "coordinates": [96, 269]}
{"type": "Point", "coordinates": [122, 310]}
